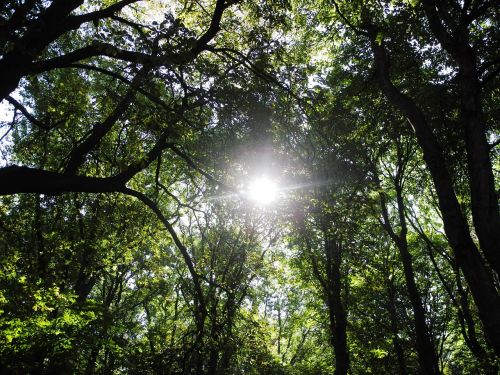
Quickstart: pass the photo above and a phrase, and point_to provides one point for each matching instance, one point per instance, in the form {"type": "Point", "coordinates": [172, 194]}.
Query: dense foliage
{"type": "Point", "coordinates": [131, 134]}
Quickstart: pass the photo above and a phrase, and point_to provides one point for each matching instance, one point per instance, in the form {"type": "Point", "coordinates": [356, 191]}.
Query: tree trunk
{"type": "Point", "coordinates": [338, 336]}
{"type": "Point", "coordinates": [396, 342]}
{"type": "Point", "coordinates": [478, 276]}
{"type": "Point", "coordinates": [484, 202]}
{"type": "Point", "coordinates": [213, 350]}
{"type": "Point", "coordinates": [456, 42]}
{"type": "Point", "coordinates": [461, 303]}
{"type": "Point", "coordinates": [427, 356]}
{"type": "Point", "coordinates": [337, 314]}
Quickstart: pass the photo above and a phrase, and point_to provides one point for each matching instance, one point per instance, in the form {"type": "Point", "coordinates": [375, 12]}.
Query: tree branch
{"type": "Point", "coordinates": [26, 114]}
{"type": "Point", "coordinates": [76, 21]}
{"type": "Point", "coordinates": [77, 155]}
{"type": "Point", "coordinates": [178, 243]}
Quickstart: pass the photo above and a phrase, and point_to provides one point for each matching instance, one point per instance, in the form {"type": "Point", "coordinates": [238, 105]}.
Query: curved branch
{"type": "Point", "coordinates": [357, 30]}
{"type": "Point", "coordinates": [26, 114]}
{"type": "Point", "coordinates": [214, 27]}
{"type": "Point", "coordinates": [76, 21]}
{"type": "Point", "coordinates": [77, 156]}
{"type": "Point", "coordinates": [184, 251]}
{"type": "Point", "coordinates": [94, 50]}
{"type": "Point", "coordinates": [120, 78]}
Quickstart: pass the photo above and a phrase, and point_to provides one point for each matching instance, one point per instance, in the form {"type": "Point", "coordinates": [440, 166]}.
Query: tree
{"type": "Point", "coordinates": [370, 17]}
{"type": "Point", "coordinates": [426, 351]}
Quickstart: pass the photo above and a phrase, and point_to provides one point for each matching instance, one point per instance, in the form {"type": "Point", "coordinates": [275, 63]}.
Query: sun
{"type": "Point", "coordinates": [262, 191]}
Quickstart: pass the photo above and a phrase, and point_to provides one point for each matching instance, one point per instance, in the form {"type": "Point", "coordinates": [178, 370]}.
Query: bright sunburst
{"type": "Point", "coordinates": [262, 191]}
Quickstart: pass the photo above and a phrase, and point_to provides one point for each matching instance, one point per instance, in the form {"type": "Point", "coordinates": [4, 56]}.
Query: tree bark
{"type": "Point", "coordinates": [484, 202]}
{"type": "Point", "coordinates": [396, 342]}
{"type": "Point", "coordinates": [337, 314]}
{"type": "Point", "coordinates": [476, 273]}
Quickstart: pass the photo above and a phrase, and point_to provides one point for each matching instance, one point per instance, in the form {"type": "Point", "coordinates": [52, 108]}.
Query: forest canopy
{"type": "Point", "coordinates": [249, 187]}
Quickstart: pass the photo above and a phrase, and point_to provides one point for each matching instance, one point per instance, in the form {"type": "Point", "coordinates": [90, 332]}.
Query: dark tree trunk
{"type": "Point", "coordinates": [425, 348]}
{"type": "Point", "coordinates": [213, 350]}
{"type": "Point", "coordinates": [92, 360]}
{"type": "Point", "coordinates": [337, 314]}
{"type": "Point", "coordinates": [476, 273]}
{"type": "Point", "coordinates": [329, 277]}
{"type": "Point", "coordinates": [484, 202]}
{"type": "Point", "coordinates": [396, 342]}
{"type": "Point", "coordinates": [227, 349]}
{"type": "Point", "coordinates": [456, 41]}
{"type": "Point", "coordinates": [468, 328]}
{"type": "Point", "coordinates": [460, 300]}
{"type": "Point", "coordinates": [427, 356]}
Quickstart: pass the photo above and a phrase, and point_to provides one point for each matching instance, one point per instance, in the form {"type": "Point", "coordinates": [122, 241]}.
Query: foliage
{"type": "Point", "coordinates": [131, 131]}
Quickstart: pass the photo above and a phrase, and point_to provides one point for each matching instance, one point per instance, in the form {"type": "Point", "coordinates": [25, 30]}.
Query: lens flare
{"type": "Point", "coordinates": [262, 191]}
